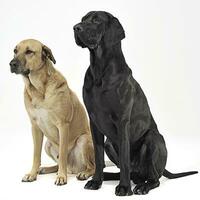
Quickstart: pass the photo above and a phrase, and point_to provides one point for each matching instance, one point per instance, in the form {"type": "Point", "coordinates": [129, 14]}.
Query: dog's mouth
{"type": "Point", "coordinates": [78, 40]}
{"type": "Point", "coordinates": [20, 70]}
{"type": "Point", "coordinates": [84, 42]}
{"type": "Point", "coordinates": [17, 67]}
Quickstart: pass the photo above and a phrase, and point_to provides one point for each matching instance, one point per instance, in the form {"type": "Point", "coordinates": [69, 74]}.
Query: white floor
{"type": "Point", "coordinates": [16, 157]}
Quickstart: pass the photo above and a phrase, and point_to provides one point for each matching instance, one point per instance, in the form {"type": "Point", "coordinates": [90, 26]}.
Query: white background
{"type": "Point", "coordinates": [162, 47]}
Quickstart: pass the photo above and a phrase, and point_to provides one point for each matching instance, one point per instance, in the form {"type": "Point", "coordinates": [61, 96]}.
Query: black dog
{"type": "Point", "coordinates": [118, 109]}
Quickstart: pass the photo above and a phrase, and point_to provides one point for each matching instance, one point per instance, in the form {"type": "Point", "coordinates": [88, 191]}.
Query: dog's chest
{"type": "Point", "coordinates": [100, 106]}
{"type": "Point", "coordinates": [42, 117]}
{"type": "Point", "coordinates": [100, 98]}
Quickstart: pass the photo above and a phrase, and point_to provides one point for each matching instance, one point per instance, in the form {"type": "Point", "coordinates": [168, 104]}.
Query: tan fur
{"type": "Point", "coordinates": [55, 112]}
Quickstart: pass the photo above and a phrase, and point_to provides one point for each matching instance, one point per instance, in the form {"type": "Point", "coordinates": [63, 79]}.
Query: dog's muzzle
{"type": "Point", "coordinates": [14, 65]}
{"type": "Point", "coordinates": [78, 28]}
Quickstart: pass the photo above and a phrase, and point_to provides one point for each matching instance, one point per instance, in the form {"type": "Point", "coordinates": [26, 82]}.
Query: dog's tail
{"type": "Point", "coordinates": [109, 176]}
{"type": "Point", "coordinates": [170, 175]}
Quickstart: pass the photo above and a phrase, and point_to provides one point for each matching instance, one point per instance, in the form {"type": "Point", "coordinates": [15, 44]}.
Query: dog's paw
{"type": "Point", "coordinates": [141, 189]}
{"type": "Point", "coordinates": [61, 180]}
{"type": "Point", "coordinates": [121, 190]}
{"type": "Point", "coordinates": [83, 175]}
{"type": "Point", "coordinates": [144, 188]}
{"type": "Point", "coordinates": [29, 177]}
{"type": "Point", "coordinates": [42, 170]}
{"type": "Point", "coordinates": [93, 185]}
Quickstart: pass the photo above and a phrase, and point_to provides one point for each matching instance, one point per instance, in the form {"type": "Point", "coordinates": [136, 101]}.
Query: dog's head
{"type": "Point", "coordinates": [98, 27]}
{"type": "Point", "coordinates": [30, 55]}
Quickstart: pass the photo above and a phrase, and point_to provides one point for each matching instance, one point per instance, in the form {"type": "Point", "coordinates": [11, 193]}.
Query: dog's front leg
{"type": "Point", "coordinates": [37, 142]}
{"type": "Point", "coordinates": [63, 153]}
{"type": "Point", "coordinates": [124, 187]}
{"type": "Point", "coordinates": [98, 142]}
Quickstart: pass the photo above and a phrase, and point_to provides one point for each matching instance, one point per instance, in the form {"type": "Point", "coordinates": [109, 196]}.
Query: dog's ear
{"type": "Point", "coordinates": [114, 33]}
{"type": "Point", "coordinates": [46, 53]}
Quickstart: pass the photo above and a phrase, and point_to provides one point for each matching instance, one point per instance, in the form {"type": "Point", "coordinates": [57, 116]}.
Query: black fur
{"type": "Point", "coordinates": [118, 109]}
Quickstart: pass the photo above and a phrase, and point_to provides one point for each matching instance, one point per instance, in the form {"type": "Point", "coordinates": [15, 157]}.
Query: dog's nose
{"type": "Point", "coordinates": [13, 65]}
{"type": "Point", "coordinates": [78, 28]}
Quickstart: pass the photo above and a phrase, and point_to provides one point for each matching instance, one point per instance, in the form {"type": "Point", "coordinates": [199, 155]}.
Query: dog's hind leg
{"type": "Point", "coordinates": [144, 188]}
{"type": "Point", "coordinates": [111, 152]}
{"type": "Point", "coordinates": [48, 170]}
{"type": "Point", "coordinates": [52, 152]}
{"type": "Point", "coordinates": [86, 157]}
{"type": "Point", "coordinates": [154, 160]}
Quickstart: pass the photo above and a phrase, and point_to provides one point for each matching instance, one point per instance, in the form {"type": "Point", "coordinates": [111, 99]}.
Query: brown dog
{"type": "Point", "coordinates": [55, 112]}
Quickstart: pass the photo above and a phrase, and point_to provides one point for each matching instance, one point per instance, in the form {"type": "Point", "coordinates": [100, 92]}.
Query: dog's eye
{"type": "Point", "coordinates": [28, 52]}
{"type": "Point", "coordinates": [15, 51]}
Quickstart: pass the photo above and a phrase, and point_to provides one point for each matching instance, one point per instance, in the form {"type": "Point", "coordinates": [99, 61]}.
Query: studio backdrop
{"type": "Point", "coordinates": [161, 47]}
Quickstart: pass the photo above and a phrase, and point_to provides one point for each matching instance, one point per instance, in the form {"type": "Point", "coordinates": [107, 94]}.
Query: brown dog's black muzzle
{"type": "Point", "coordinates": [14, 65]}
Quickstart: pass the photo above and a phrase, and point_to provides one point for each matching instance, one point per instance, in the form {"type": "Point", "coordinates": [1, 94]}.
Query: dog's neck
{"type": "Point", "coordinates": [38, 79]}
{"type": "Point", "coordinates": [103, 56]}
